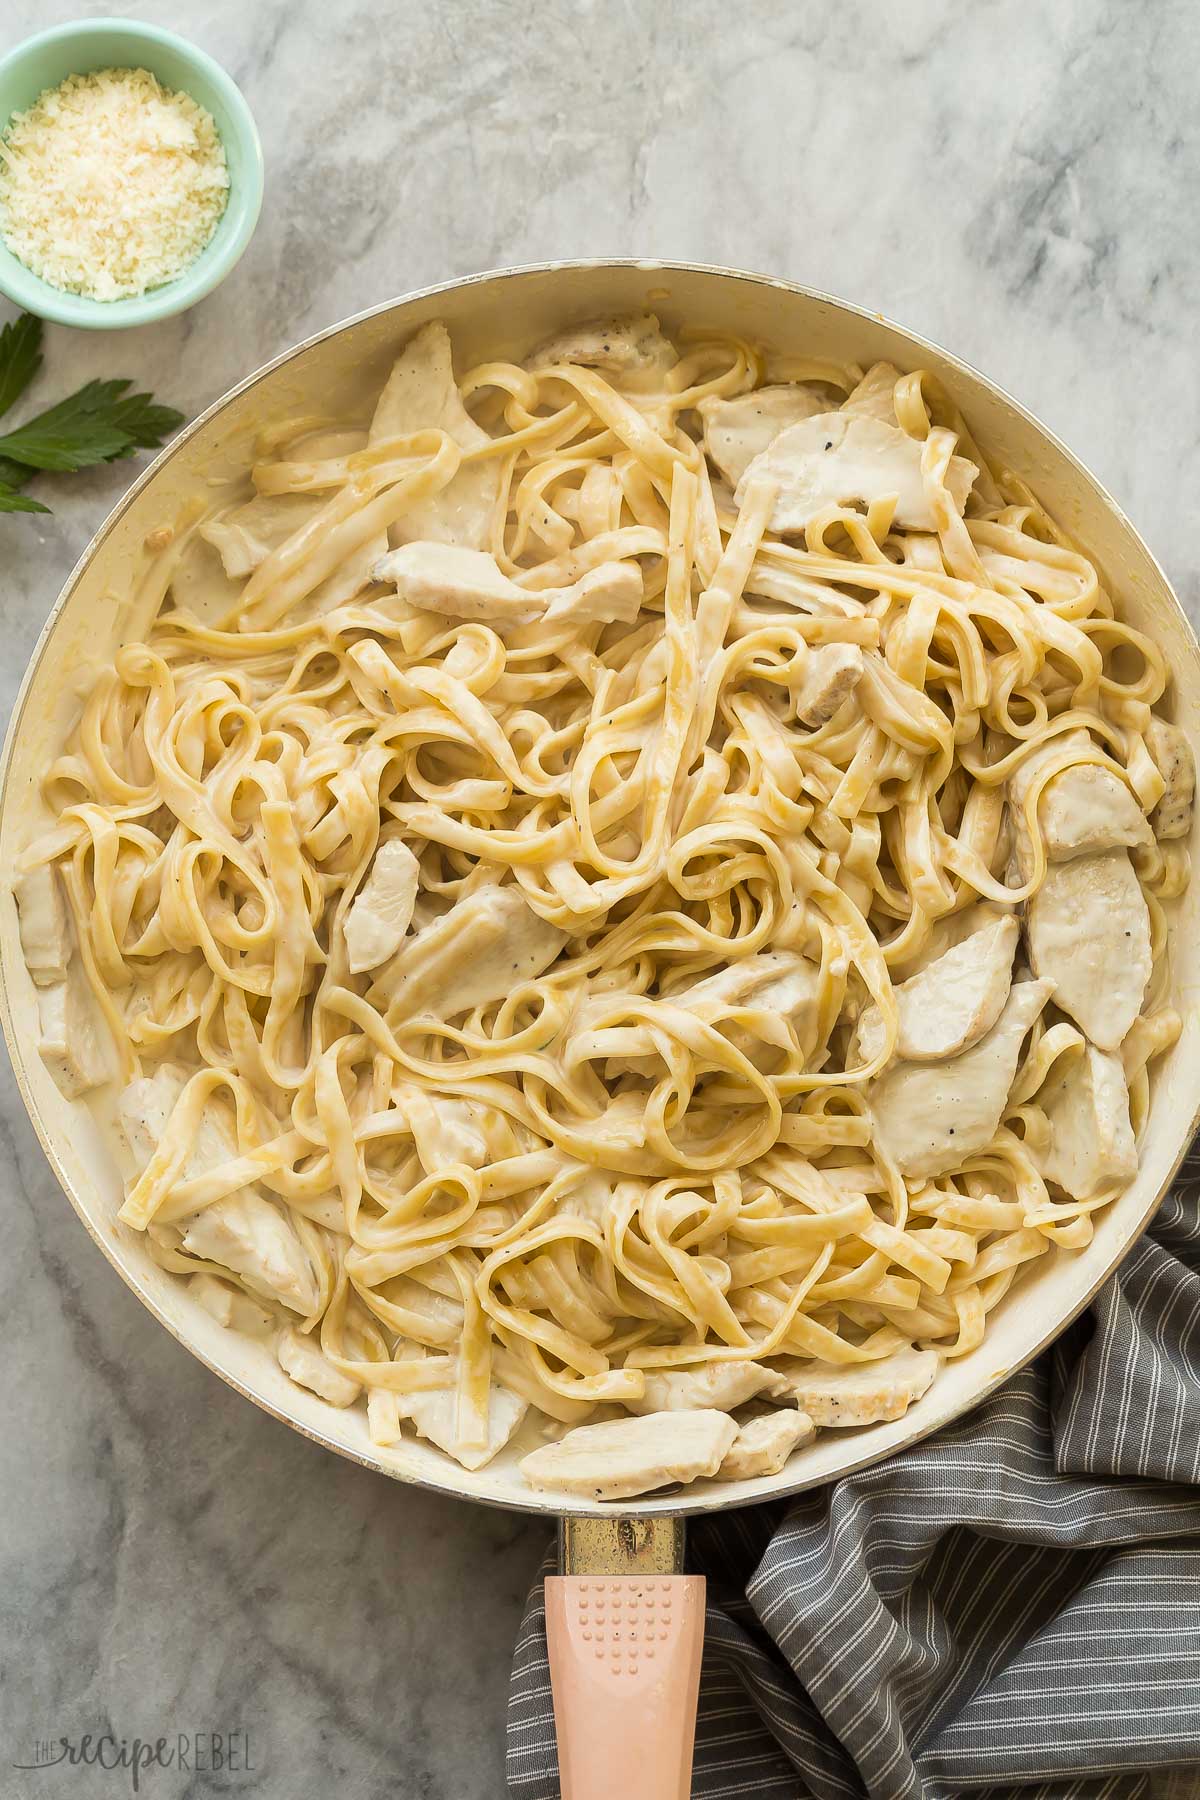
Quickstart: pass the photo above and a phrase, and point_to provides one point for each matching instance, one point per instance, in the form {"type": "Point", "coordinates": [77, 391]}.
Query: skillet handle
{"type": "Point", "coordinates": [625, 1640]}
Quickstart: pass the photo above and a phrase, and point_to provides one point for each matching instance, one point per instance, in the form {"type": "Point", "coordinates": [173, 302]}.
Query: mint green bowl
{"type": "Point", "coordinates": [42, 62]}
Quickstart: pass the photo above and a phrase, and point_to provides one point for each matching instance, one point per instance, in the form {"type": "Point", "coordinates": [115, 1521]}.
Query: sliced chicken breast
{"type": "Point", "coordinates": [930, 1116]}
{"type": "Point", "coordinates": [611, 591]}
{"type": "Point", "coordinates": [469, 584]}
{"type": "Point", "coordinates": [1088, 927]}
{"type": "Point", "coordinates": [247, 1233]}
{"type": "Point", "coordinates": [462, 583]}
{"type": "Point", "coordinates": [763, 1445]}
{"type": "Point", "coordinates": [862, 1393]}
{"type": "Point", "coordinates": [723, 1385]}
{"type": "Point", "coordinates": [952, 1002]}
{"type": "Point", "coordinates": [738, 430]}
{"type": "Point", "coordinates": [947, 931]}
{"type": "Point", "coordinates": [1091, 1145]}
{"type": "Point", "coordinates": [624, 1457]}
{"type": "Point", "coordinates": [75, 1043]}
{"type": "Point", "coordinates": [422, 395]}
{"type": "Point", "coordinates": [143, 1109]}
{"type": "Point", "coordinates": [1081, 810]}
{"type": "Point", "coordinates": [245, 535]}
{"type": "Point", "coordinates": [875, 395]}
{"type": "Point", "coordinates": [383, 908]}
{"type": "Point", "coordinates": [839, 459]}
{"type": "Point", "coordinates": [244, 1232]}
{"type": "Point", "coordinates": [779, 983]}
{"type": "Point", "coordinates": [1173, 758]}
{"type": "Point", "coordinates": [44, 925]}
{"type": "Point", "coordinates": [435, 1415]}
{"type": "Point", "coordinates": [477, 952]}
{"type": "Point", "coordinates": [310, 1368]}
{"type": "Point", "coordinates": [630, 351]}
{"type": "Point", "coordinates": [831, 674]}
{"type": "Point", "coordinates": [230, 1307]}
{"type": "Point", "coordinates": [447, 1130]}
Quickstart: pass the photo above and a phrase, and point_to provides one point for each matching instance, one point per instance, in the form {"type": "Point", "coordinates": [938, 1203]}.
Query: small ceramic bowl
{"type": "Point", "coordinates": [44, 61]}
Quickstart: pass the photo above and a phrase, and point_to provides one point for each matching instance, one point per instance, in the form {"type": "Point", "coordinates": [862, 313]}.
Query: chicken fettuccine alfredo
{"type": "Point", "coordinates": [633, 914]}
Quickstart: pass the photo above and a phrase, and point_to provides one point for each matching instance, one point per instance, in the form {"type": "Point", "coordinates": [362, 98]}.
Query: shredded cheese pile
{"type": "Point", "coordinates": [111, 184]}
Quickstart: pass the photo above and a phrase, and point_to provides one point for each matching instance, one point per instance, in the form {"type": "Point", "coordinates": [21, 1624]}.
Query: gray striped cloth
{"type": "Point", "coordinates": [1010, 1609]}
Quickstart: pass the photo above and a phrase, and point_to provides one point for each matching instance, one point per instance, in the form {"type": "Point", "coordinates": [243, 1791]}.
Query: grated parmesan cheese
{"type": "Point", "coordinates": [110, 184]}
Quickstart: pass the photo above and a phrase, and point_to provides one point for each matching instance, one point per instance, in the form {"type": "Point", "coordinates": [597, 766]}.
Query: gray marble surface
{"type": "Point", "coordinates": [1021, 183]}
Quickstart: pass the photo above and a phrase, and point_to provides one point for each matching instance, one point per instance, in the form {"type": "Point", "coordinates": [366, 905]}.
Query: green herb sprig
{"type": "Point", "coordinates": [102, 423]}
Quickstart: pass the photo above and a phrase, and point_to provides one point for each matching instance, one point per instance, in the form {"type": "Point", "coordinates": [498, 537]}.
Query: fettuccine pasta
{"type": "Point", "coordinates": [627, 893]}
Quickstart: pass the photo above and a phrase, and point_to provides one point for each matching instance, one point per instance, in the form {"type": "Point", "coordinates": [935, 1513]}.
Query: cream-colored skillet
{"type": "Point", "coordinates": [625, 1720]}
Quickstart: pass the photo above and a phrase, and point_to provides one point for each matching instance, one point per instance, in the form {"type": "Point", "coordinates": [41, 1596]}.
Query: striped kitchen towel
{"type": "Point", "coordinates": [1009, 1609]}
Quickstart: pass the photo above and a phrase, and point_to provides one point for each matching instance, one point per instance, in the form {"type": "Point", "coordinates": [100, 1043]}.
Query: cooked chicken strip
{"type": "Point", "coordinates": [952, 1001]}
{"type": "Point", "coordinates": [1086, 1103]}
{"type": "Point", "coordinates": [944, 933]}
{"type": "Point", "coordinates": [779, 983]}
{"type": "Point", "coordinates": [445, 1128]}
{"type": "Point", "coordinates": [383, 908]}
{"type": "Point", "coordinates": [230, 1307]}
{"type": "Point", "coordinates": [738, 430]}
{"type": "Point", "coordinates": [1081, 810]}
{"type": "Point", "coordinates": [310, 1368]}
{"type": "Point", "coordinates": [44, 925]}
{"type": "Point", "coordinates": [435, 1415]}
{"type": "Point", "coordinates": [75, 1043]}
{"type": "Point", "coordinates": [422, 395]}
{"type": "Point", "coordinates": [469, 584]}
{"type": "Point", "coordinates": [245, 535]}
{"type": "Point", "coordinates": [1173, 758]}
{"type": "Point", "coordinates": [862, 1393]}
{"type": "Point", "coordinates": [624, 1457]}
{"type": "Point", "coordinates": [722, 1385]}
{"type": "Point", "coordinates": [763, 1445]}
{"type": "Point", "coordinates": [837, 459]}
{"type": "Point", "coordinates": [630, 351]}
{"type": "Point", "coordinates": [831, 674]}
{"type": "Point", "coordinates": [929, 1117]}
{"type": "Point", "coordinates": [244, 1232]}
{"type": "Point", "coordinates": [875, 395]}
{"type": "Point", "coordinates": [143, 1109]}
{"type": "Point", "coordinates": [477, 952]}
{"type": "Point", "coordinates": [1089, 931]}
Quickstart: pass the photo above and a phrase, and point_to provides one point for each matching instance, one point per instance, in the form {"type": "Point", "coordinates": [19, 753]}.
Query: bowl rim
{"type": "Point", "coordinates": [236, 226]}
{"type": "Point", "coordinates": [448, 1481]}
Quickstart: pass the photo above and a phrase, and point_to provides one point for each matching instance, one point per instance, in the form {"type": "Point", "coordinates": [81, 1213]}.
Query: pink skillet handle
{"type": "Point", "coordinates": [625, 1670]}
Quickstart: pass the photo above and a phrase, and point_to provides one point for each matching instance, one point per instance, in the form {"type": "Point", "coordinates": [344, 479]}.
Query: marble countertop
{"type": "Point", "coordinates": [1022, 185]}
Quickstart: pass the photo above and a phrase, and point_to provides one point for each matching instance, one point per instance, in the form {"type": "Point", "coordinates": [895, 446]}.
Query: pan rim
{"type": "Point", "coordinates": [536, 1503]}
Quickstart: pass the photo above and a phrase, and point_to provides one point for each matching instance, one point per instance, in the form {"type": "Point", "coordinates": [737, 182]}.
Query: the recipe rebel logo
{"type": "Point", "coordinates": [228, 1754]}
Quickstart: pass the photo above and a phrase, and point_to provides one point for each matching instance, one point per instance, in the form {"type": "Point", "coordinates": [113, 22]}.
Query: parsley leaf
{"type": "Point", "coordinates": [12, 502]}
{"type": "Point", "coordinates": [20, 357]}
{"type": "Point", "coordinates": [101, 423]}
{"type": "Point", "coordinates": [146, 422]}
